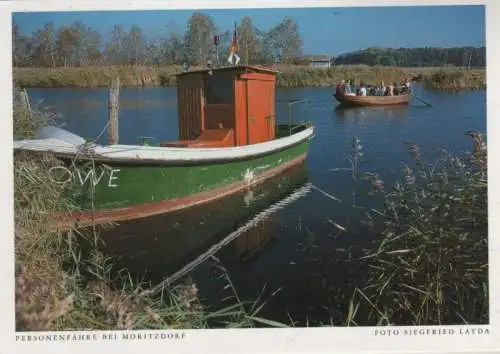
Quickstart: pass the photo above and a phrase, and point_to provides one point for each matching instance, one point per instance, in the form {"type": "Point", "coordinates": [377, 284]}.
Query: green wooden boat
{"type": "Point", "coordinates": [228, 141]}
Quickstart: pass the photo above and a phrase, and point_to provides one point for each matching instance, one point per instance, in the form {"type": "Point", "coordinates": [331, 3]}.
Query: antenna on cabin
{"type": "Point", "coordinates": [185, 63]}
{"type": "Point", "coordinates": [217, 43]}
{"type": "Point", "coordinates": [209, 66]}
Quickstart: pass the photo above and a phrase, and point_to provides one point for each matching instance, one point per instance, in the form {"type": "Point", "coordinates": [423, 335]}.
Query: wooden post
{"type": "Point", "coordinates": [26, 103]}
{"type": "Point", "coordinates": [113, 109]}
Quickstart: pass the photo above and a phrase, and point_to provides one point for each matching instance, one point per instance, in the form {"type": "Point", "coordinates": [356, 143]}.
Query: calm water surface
{"type": "Point", "coordinates": [287, 251]}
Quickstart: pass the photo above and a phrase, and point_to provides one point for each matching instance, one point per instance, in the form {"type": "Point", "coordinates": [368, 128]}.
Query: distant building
{"type": "Point", "coordinates": [319, 61]}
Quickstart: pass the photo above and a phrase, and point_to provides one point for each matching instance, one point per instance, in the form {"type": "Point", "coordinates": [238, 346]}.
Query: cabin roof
{"type": "Point", "coordinates": [237, 68]}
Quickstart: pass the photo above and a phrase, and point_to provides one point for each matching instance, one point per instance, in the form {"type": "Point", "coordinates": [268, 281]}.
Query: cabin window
{"type": "Point", "coordinates": [219, 90]}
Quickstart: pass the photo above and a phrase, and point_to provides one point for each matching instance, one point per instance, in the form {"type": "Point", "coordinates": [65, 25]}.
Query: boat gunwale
{"type": "Point", "coordinates": [374, 100]}
{"type": "Point", "coordinates": [308, 134]}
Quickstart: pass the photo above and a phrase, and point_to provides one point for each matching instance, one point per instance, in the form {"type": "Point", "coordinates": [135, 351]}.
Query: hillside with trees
{"type": "Point", "coordinates": [416, 57]}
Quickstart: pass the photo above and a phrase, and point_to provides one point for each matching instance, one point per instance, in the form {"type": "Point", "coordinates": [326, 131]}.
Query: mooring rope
{"type": "Point", "coordinates": [297, 194]}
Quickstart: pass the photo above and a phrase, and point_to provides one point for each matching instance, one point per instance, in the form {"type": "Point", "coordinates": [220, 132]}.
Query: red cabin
{"type": "Point", "coordinates": [226, 107]}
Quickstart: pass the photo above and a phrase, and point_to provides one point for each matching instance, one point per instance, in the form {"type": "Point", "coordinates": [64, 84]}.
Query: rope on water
{"type": "Point", "coordinates": [427, 104]}
{"type": "Point", "coordinates": [297, 194]}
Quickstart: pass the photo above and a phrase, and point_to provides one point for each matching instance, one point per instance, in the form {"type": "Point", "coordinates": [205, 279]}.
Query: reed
{"type": "Point", "coordinates": [62, 285]}
{"type": "Point", "coordinates": [441, 79]}
{"type": "Point", "coordinates": [93, 77]}
{"type": "Point", "coordinates": [290, 76]}
{"type": "Point", "coordinates": [294, 76]}
{"type": "Point", "coordinates": [456, 80]}
{"type": "Point", "coordinates": [426, 261]}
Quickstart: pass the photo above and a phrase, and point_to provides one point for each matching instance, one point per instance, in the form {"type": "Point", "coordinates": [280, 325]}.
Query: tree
{"type": "Point", "coordinates": [136, 45]}
{"type": "Point", "coordinates": [198, 38]}
{"type": "Point", "coordinates": [44, 42]}
{"type": "Point", "coordinates": [67, 45]}
{"type": "Point", "coordinates": [248, 41]}
{"type": "Point", "coordinates": [283, 42]}
{"type": "Point", "coordinates": [115, 52]}
{"type": "Point", "coordinates": [22, 48]}
{"type": "Point", "coordinates": [90, 48]}
{"type": "Point", "coordinates": [78, 45]}
{"type": "Point", "coordinates": [176, 48]}
{"type": "Point", "coordinates": [15, 42]}
{"type": "Point", "coordinates": [154, 52]}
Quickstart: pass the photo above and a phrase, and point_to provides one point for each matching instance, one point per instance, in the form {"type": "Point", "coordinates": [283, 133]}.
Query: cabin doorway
{"type": "Point", "coordinates": [260, 101]}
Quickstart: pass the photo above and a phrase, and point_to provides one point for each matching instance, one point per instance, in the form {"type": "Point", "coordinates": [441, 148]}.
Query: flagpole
{"type": "Point", "coordinates": [217, 43]}
{"type": "Point", "coordinates": [236, 43]}
{"type": "Point", "coordinates": [217, 55]}
{"type": "Point", "coordinates": [233, 54]}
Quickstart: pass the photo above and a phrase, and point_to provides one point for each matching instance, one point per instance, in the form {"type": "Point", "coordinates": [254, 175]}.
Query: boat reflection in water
{"type": "Point", "coordinates": [392, 112]}
{"type": "Point", "coordinates": [156, 247]}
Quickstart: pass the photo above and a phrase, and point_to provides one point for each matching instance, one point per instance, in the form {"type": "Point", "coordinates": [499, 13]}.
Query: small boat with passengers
{"type": "Point", "coordinates": [365, 101]}
{"type": "Point", "coordinates": [373, 96]}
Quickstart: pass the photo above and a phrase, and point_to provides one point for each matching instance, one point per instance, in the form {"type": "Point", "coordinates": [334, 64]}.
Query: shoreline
{"type": "Point", "coordinates": [434, 78]}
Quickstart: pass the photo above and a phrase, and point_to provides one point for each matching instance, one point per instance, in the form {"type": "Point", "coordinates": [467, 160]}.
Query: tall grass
{"type": "Point", "coordinates": [289, 77]}
{"type": "Point", "coordinates": [296, 76]}
{"type": "Point", "coordinates": [93, 77]}
{"type": "Point", "coordinates": [456, 80]}
{"type": "Point", "coordinates": [426, 262]}
{"type": "Point", "coordinates": [61, 287]}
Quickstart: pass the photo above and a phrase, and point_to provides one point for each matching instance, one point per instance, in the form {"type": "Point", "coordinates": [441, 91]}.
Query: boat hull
{"type": "Point", "coordinates": [366, 101]}
{"type": "Point", "coordinates": [105, 189]}
{"type": "Point", "coordinates": [175, 188]}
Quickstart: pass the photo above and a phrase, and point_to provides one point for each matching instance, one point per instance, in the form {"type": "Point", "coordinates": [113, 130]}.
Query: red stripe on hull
{"type": "Point", "coordinates": [87, 218]}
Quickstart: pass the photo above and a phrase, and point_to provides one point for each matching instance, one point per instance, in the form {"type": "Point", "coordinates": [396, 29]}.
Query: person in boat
{"type": "Point", "coordinates": [389, 91]}
{"type": "Point", "coordinates": [382, 88]}
{"type": "Point", "coordinates": [340, 90]}
{"type": "Point", "coordinates": [406, 86]}
{"type": "Point", "coordinates": [362, 89]}
{"type": "Point", "coordinates": [348, 88]}
{"type": "Point", "coordinates": [358, 87]}
{"type": "Point", "coordinates": [396, 89]}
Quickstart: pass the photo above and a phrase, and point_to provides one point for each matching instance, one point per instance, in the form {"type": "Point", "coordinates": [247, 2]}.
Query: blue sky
{"type": "Point", "coordinates": [329, 31]}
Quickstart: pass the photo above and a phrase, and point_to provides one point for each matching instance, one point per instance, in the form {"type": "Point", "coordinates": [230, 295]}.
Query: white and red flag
{"type": "Point", "coordinates": [233, 53]}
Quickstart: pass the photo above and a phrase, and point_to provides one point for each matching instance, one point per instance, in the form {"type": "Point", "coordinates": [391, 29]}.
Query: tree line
{"type": "Point", "coordinates": [78, 45]}
{"type": "Point", "coordinates": [416, 57]}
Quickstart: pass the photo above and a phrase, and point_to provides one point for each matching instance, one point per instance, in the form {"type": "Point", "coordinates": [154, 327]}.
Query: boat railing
{"type": "Point", "coordinates": [292, 124]}
{"type": "Point", "coordinates": [299, 124]}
